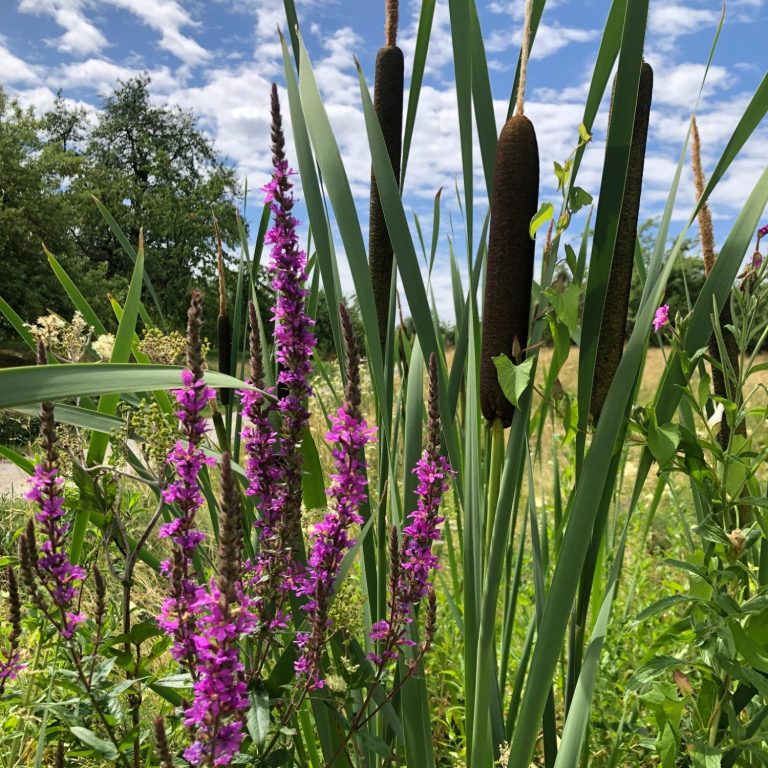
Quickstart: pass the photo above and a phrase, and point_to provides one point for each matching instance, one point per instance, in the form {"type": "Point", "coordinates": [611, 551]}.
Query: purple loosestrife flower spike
{"type": "Point", "coordinates": [186, 459]}
{"type": "Point", "coordinates": [661, 318]}
{"type": "Point", "coordinates": [294, 338]}
{"type": "Point", "coordinates": [412, 567]}
{"type": "Point", "coordinates": [59, 577]}
{"type": "Point", "coordinates": [222, 618]}
{"type": "Point", "coordinates": [270, 582]}
{"type": "Point", "coordinates": [10, 658]}
{"type": "Point", "coordinates": [330, 539]}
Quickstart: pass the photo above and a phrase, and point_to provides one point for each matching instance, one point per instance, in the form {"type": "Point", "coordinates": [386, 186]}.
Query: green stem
{"type": "Point", "coordinates": [494, 479]}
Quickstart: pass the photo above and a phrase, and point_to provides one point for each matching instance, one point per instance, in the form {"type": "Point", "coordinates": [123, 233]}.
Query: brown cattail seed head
{"type": "Point", "coordinates": [613, 326]}
{"type": "Point", "coordinates": [231, 531]}
{"type": "Point", "coordinates": [194, 341]}
{"type": "Point", "coordinates": [351, 349]}
{"type": "Point", "coordinates": [509, 274]}
{"type": "Point", "coordinates": [161, 743]}
{"type": "Point", "coordinates": [388, 102]}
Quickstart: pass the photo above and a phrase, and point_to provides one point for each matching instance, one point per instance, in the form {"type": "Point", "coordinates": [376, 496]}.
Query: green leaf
{"type": "Point", "coordinates": [584, 134]}
{"type": "Point", "coordinates": [514, 379]}
{"type": "Point", "coordinates": [542, 216]}
{"type": "Point", "coordinates": [566, 305]}
{"type": "Point", "coordinates": [33, 384]}
{"type": "Point", "coordinates": [663, 441]}
{"type": "Point", "coordinates": [258, 716]}
{"type": "Point", "coordinates": [578, 198]}
{"type": "Point", "coordinates": [105, 748]}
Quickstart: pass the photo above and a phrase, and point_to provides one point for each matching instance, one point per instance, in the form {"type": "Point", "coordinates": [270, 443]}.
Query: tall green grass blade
{"type": "Point", "coordinates": [407, 260]}
{"type": "Point", "coordinates": [128, 248]}
{"type": "Point", "coordinates": [337, 184]}
{"type": "Point", "coordinates": [80, 302]}
{"type": "Point", "coordinates": [423, 35]}
{"type": "Point", "coordinates": [485, 119]}
{"type": "Point", "coordinates": [32, 384]}
{"type": "Point", "coordinates": [462, 64]}
{"type": "Point", "coordinates": [314, 201]}
{"type": "Point", "coordinates": [17, 324]}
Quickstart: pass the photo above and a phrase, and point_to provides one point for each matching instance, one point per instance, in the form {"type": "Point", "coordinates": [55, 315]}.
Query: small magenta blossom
{"type": "Point", "coordinates": [412, 561]}
{"type": "Point", "coordinates": [763, 231]}
{"type": "Point", "coordinates": [187, 460]}
{"type": "Point", "coordinates": [757, 260]}
{"type": "Point", "coordinates": [661, 318]}
{"type": "Point", "coordinates": [330, 539]}
{"type": "Point", "coordinates": [294, 336]}
{"type": "Point", "coordinates": [60, 578]}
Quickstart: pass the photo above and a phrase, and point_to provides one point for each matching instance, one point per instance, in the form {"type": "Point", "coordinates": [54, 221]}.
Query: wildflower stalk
{"type": "Point", "coordinates": [294, 340]}
{"type": "Point", "coordinates": [223, 324]}
{"type": "Point", "coordinates": [222, 618]}
{"type": "Point", "coordinates": [721, 372]}
{"type": "Point", "coordinates": [187, 460]}
{"type": "Point", "coordinates": [330, 539]}
{"type": "Point", "coordinates": [10, 660]}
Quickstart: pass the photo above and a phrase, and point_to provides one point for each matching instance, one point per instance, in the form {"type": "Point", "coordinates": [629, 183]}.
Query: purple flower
{"type": "Point", "coordinates": [412, 561]}
{"type": "Point", "coordinates": [330, 539]}
{"type": "Point", "coordinates": [59, 577]}
{"type": "Point", "coordinates": [221, 693]}
{"type": "Point", "coordinates": [10, 655]}
{"type": "Point", "coordinates": [187, 460]}
{"type": "Point", "coordinates": [757, 260]}
{"type": "Point", "coordinates": [222, 618]}
{"type": "Point", "coordinates": [294, 338]}
{"type": "Point", "coordinates": [763, 231]}
{"type": "Point", "coordinates": [661, 318]}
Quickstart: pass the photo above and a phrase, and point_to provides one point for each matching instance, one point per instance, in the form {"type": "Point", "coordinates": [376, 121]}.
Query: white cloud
{"type": "Point", "coordinates": [81, 36]}
{"type": "Point", "coordinates": [167, 17]}
{"type": "Point", "coordinates": [671, 20]}
{"type": "Point", "coordinates": [15, 70]}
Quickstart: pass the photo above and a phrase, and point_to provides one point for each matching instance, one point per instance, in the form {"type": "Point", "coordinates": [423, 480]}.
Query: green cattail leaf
{"type": "Point", "coordinates": [423, 35]}
{"type": "Point", "coordinates": [17, 324]}
{"type": "Point", "coordinates": [542, 216]}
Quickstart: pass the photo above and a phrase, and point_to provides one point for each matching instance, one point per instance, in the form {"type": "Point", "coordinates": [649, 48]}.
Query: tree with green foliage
{"type": "Point", "coordinates": [157, 173]}
{"type": "Point", "coordinates": [33, 212]}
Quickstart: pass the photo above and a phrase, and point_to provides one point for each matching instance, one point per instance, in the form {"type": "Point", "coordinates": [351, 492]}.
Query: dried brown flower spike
{"type": "Point", "coordinates": [388, 102]}
{"type": "Point", "coordinates": [613, 326]}
{"type": "Point", "coordinates": [707, 238]}
{"type": "Point", "coordinates": [509, 274]}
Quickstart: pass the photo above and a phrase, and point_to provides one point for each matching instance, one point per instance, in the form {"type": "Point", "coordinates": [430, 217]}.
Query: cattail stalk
{"type": "Point", "coordinates": [613, 325]}
{"type": "Point", "coordinates": [509, 274]}
{"type": "Point", "coordinates": [388, 102]}
{"type": "Point", "coordinates": [707, 238]}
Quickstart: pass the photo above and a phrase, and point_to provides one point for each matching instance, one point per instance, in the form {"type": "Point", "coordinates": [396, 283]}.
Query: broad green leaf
{"type": "Point", "coordinates": [105, 748]}
{"type": "Point", "coordinates": [514, 379]}
{"type": "Point", "coordinates": [663, 441]}
{"type": "Point", "coordinates": [542, 216]}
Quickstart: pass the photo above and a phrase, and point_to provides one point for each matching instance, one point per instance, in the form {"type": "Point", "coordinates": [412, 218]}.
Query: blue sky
{"type": "Point", "coordinates": [219, 57]}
